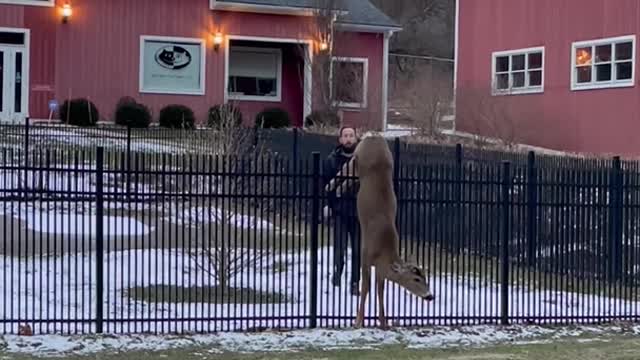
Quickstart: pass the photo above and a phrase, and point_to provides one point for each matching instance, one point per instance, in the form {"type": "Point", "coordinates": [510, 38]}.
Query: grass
{"type": "Point", "coordinates": [211, 295]}
{"type": "Point", "coordinates": [612, 348]}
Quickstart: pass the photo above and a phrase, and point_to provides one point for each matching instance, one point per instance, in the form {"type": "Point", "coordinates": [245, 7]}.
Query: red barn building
{"type": "Point", "coordinates": [197, 53]}
{"type": "Point", "coordinates": [558, 74]}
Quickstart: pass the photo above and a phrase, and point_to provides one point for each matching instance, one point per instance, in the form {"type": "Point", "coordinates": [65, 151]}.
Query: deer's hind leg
{"type": "Point", "coordinates": [380, 292]}
{"type": "Point", "coordinates": [364, 293]}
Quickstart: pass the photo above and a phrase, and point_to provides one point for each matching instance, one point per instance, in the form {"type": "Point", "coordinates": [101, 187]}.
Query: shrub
{"type": "Point", "coordinates": [220, 114]}
{"type": "Point", "coordinates": [324, 118]}
{"type": "Point", "coordinates": [132, 114]}
{"type": "Point", "coordinates": [79, 112]}
{"type": "Point", "coordinates": [273, 118]}
{"type": "Point", "coordinates": [177, 117]}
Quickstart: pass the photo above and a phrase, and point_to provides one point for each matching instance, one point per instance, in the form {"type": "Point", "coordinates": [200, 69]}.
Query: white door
{"type": "Point", "coordinates": [13, 84]}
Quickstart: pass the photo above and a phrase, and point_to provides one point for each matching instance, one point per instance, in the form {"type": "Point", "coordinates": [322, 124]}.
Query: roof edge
{"type": "Point", "coordinates": [266, 9]}
{"type": "Point", "coordinates": [367, 27]}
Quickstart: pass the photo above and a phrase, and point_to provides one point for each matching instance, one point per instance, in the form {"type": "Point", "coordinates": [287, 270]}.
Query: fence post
{"type": "Point", "coordinates": [99, 240]}
{"type": "Point", "coordinates": [616, 221]}
{"type": "Point", "coordinates": [458, 200]}
{"type": "Point", "coordinates": [505, 234]}
{"type": "Point", "coordinates": [532, 206]}
{"type": "Point", "coordinates": [315, 233]}
{"type": "Point", "coordinates": [396, 163]}
{"type": "Point", "coordinates": [396, 186]}
{"type": "Point", "coordinates": [27, 126]}
{"type": "Point", "coordinates": [295, 150]}
{"type": "Point", "coordinates": [128, 169]}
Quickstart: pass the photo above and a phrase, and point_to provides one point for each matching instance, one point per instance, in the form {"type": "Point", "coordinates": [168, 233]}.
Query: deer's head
{"type": "Point", "coordinates": [411, 277]}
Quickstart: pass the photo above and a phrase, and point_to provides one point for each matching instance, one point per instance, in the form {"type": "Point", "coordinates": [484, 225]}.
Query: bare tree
{"type": "Point", "coordinates": [334, 82]}
{"type": "Point", "coordinates": [493, 114]}
{"type": "Point", "coordinates": [424, 101]}
{"type": "Point", "coordinates": [237, 156]}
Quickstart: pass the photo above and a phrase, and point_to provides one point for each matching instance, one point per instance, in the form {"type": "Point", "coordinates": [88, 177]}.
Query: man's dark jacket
{"type": "Point", "coordinates": [345, 205]}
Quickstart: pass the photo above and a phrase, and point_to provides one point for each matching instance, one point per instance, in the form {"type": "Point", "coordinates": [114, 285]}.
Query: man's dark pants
{"type": "Point", "coordinates": [346, 230]}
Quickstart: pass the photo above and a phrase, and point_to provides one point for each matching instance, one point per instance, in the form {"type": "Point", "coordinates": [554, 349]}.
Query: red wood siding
{"type": "Point", "coordinates": [96, 55]}
{"type": "Point", "coordinates": [370, 46]}
{"type": "Point", "coordinates": [601, 121]}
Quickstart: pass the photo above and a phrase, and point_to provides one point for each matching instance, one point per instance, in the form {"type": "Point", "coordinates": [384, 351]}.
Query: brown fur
{"type": "Point", "coordinates": [372, 164]}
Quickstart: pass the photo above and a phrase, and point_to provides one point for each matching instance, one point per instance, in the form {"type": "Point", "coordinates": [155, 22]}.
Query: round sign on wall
{"type": "Point", "coordinates": [173, 57]}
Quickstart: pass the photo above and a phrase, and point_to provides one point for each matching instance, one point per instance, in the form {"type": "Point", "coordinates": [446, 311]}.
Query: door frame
{"type": "Point", "coordinates": [307, 92]}
{"type": "Point", "coordinates": [26, 51]}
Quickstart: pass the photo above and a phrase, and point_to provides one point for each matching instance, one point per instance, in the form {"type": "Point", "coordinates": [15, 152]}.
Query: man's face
{"type": "Point", "coordinates": [348, 138]}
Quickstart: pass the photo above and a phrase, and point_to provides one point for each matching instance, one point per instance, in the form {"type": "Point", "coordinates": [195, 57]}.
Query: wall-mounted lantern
{"type": "Point", "coordinates": [66, 12]}
{"type": "Point", "coordinates": [217, 40]}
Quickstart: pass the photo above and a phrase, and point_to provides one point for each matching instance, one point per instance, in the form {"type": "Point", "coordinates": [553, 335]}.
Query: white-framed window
{"type": "Point", "coordinates": [518, 71]}
{"type": "Point", "coordinates": [172, 65]}
{"type": "Point", "coordinates": [29, 2]}
{"type": "Point", "coordinates": [603, 63]}
{"type": "Point", "coordinates": [255, 73]}
{"type": "Point", "coordinates": [349, 82]}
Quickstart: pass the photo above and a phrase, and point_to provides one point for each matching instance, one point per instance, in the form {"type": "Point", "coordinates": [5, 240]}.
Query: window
{"type": "Point", "coordinates": [349, 82]}
{"type": "Point", "coordinates": [518, 71]}
{"type": "Point", "coordinates": [603, 63]}
{"type": "Point", "coordinates": [29, 2]}
{"type": "Point", "coordinates": [255, 73]}
{"type": "Point", "coordinates": [170, 65]}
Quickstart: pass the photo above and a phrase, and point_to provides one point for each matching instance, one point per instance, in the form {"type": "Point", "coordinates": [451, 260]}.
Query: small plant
{"type": "Point", "coordinates": [177, 117]}
{"type": "Point", "coordinates": [323, 118]}
{"type": "Point", "coordinates": [273, 118]}
{"type": "Point", "coordinates": [132, 114]}
{"type": "Point", "coordinates": [79, 112]}
{"type": "Point", "coordinates": [223, 116]}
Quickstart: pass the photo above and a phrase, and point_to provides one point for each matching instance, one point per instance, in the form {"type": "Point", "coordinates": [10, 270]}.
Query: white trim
{"type": "Point", "coordinates": [48, 3]}
{"type": "Point", "coordinates": [308, 74]}
{"type": "Point", "coordinates": [526, 89]}
{"type": "Point", "coordinates": [602, 84]}
{"type": "Point", "coordinates": [278, 97]}
{"type": "Point", "coordinates": [385, 79]}
{"type": "Point", "coordinates": [26, 51]}
{"type": "Point", "coordinates": [308, 84]}
{"type": "Point", "coordinates": [203, 57]}
{"type": "Point", "coordinates": [365, 85]}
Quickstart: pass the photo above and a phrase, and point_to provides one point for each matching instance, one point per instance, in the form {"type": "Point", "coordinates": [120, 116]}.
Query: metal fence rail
{"type": "Point", "coordinates": [291, 143]}
{"type": "Point", "coordinates": [105, 241]}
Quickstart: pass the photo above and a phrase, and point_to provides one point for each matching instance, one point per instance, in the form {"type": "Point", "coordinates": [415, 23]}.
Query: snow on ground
{"type": "Point", "coordinates": [89, 138]}
{"type": "Point", "coordinates": [305, 340]}
{"type": "Point", "coordinates": [394, 130]}
{"type": "Point", "coordinates": [64, 288]}
{"type": "Point", "coordinates": [54, 223]}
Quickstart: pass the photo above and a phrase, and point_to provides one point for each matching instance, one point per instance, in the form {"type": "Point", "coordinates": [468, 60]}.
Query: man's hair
{"type": "Point", "coordinates": [342, 129]}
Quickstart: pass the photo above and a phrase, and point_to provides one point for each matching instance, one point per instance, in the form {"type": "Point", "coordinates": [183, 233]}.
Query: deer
{"type": "Point", "coordinates": [372, 167]}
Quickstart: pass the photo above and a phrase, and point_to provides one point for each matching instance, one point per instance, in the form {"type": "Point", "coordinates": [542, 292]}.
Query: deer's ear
{"type": "Point", "coordinates": [396, 267]}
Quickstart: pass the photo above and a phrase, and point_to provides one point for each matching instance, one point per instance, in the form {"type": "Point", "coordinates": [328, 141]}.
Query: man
{"type": "Point", "coordinates": [343, 209]}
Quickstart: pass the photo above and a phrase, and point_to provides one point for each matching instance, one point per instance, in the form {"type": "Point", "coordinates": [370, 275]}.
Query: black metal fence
{"type": "Point", "coordinates": [107, 241]}
{"type": "Point", "coordinates": [290, 143]}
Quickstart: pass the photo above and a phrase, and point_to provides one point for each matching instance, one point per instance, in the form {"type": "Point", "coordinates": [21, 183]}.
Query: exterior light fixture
{"type": "Point", "coordinates": [66, 12]}
{"type": "Point", "coordinates": [217, 40]}
{"type": "Point", "coordinates": [324, 46]}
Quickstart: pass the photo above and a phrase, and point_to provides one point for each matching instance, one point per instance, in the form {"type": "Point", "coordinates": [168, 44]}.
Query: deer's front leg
{"type": "Point", "coordinates": [380, 290]}
{"type": "Point", "coordinates": [365, 283]}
